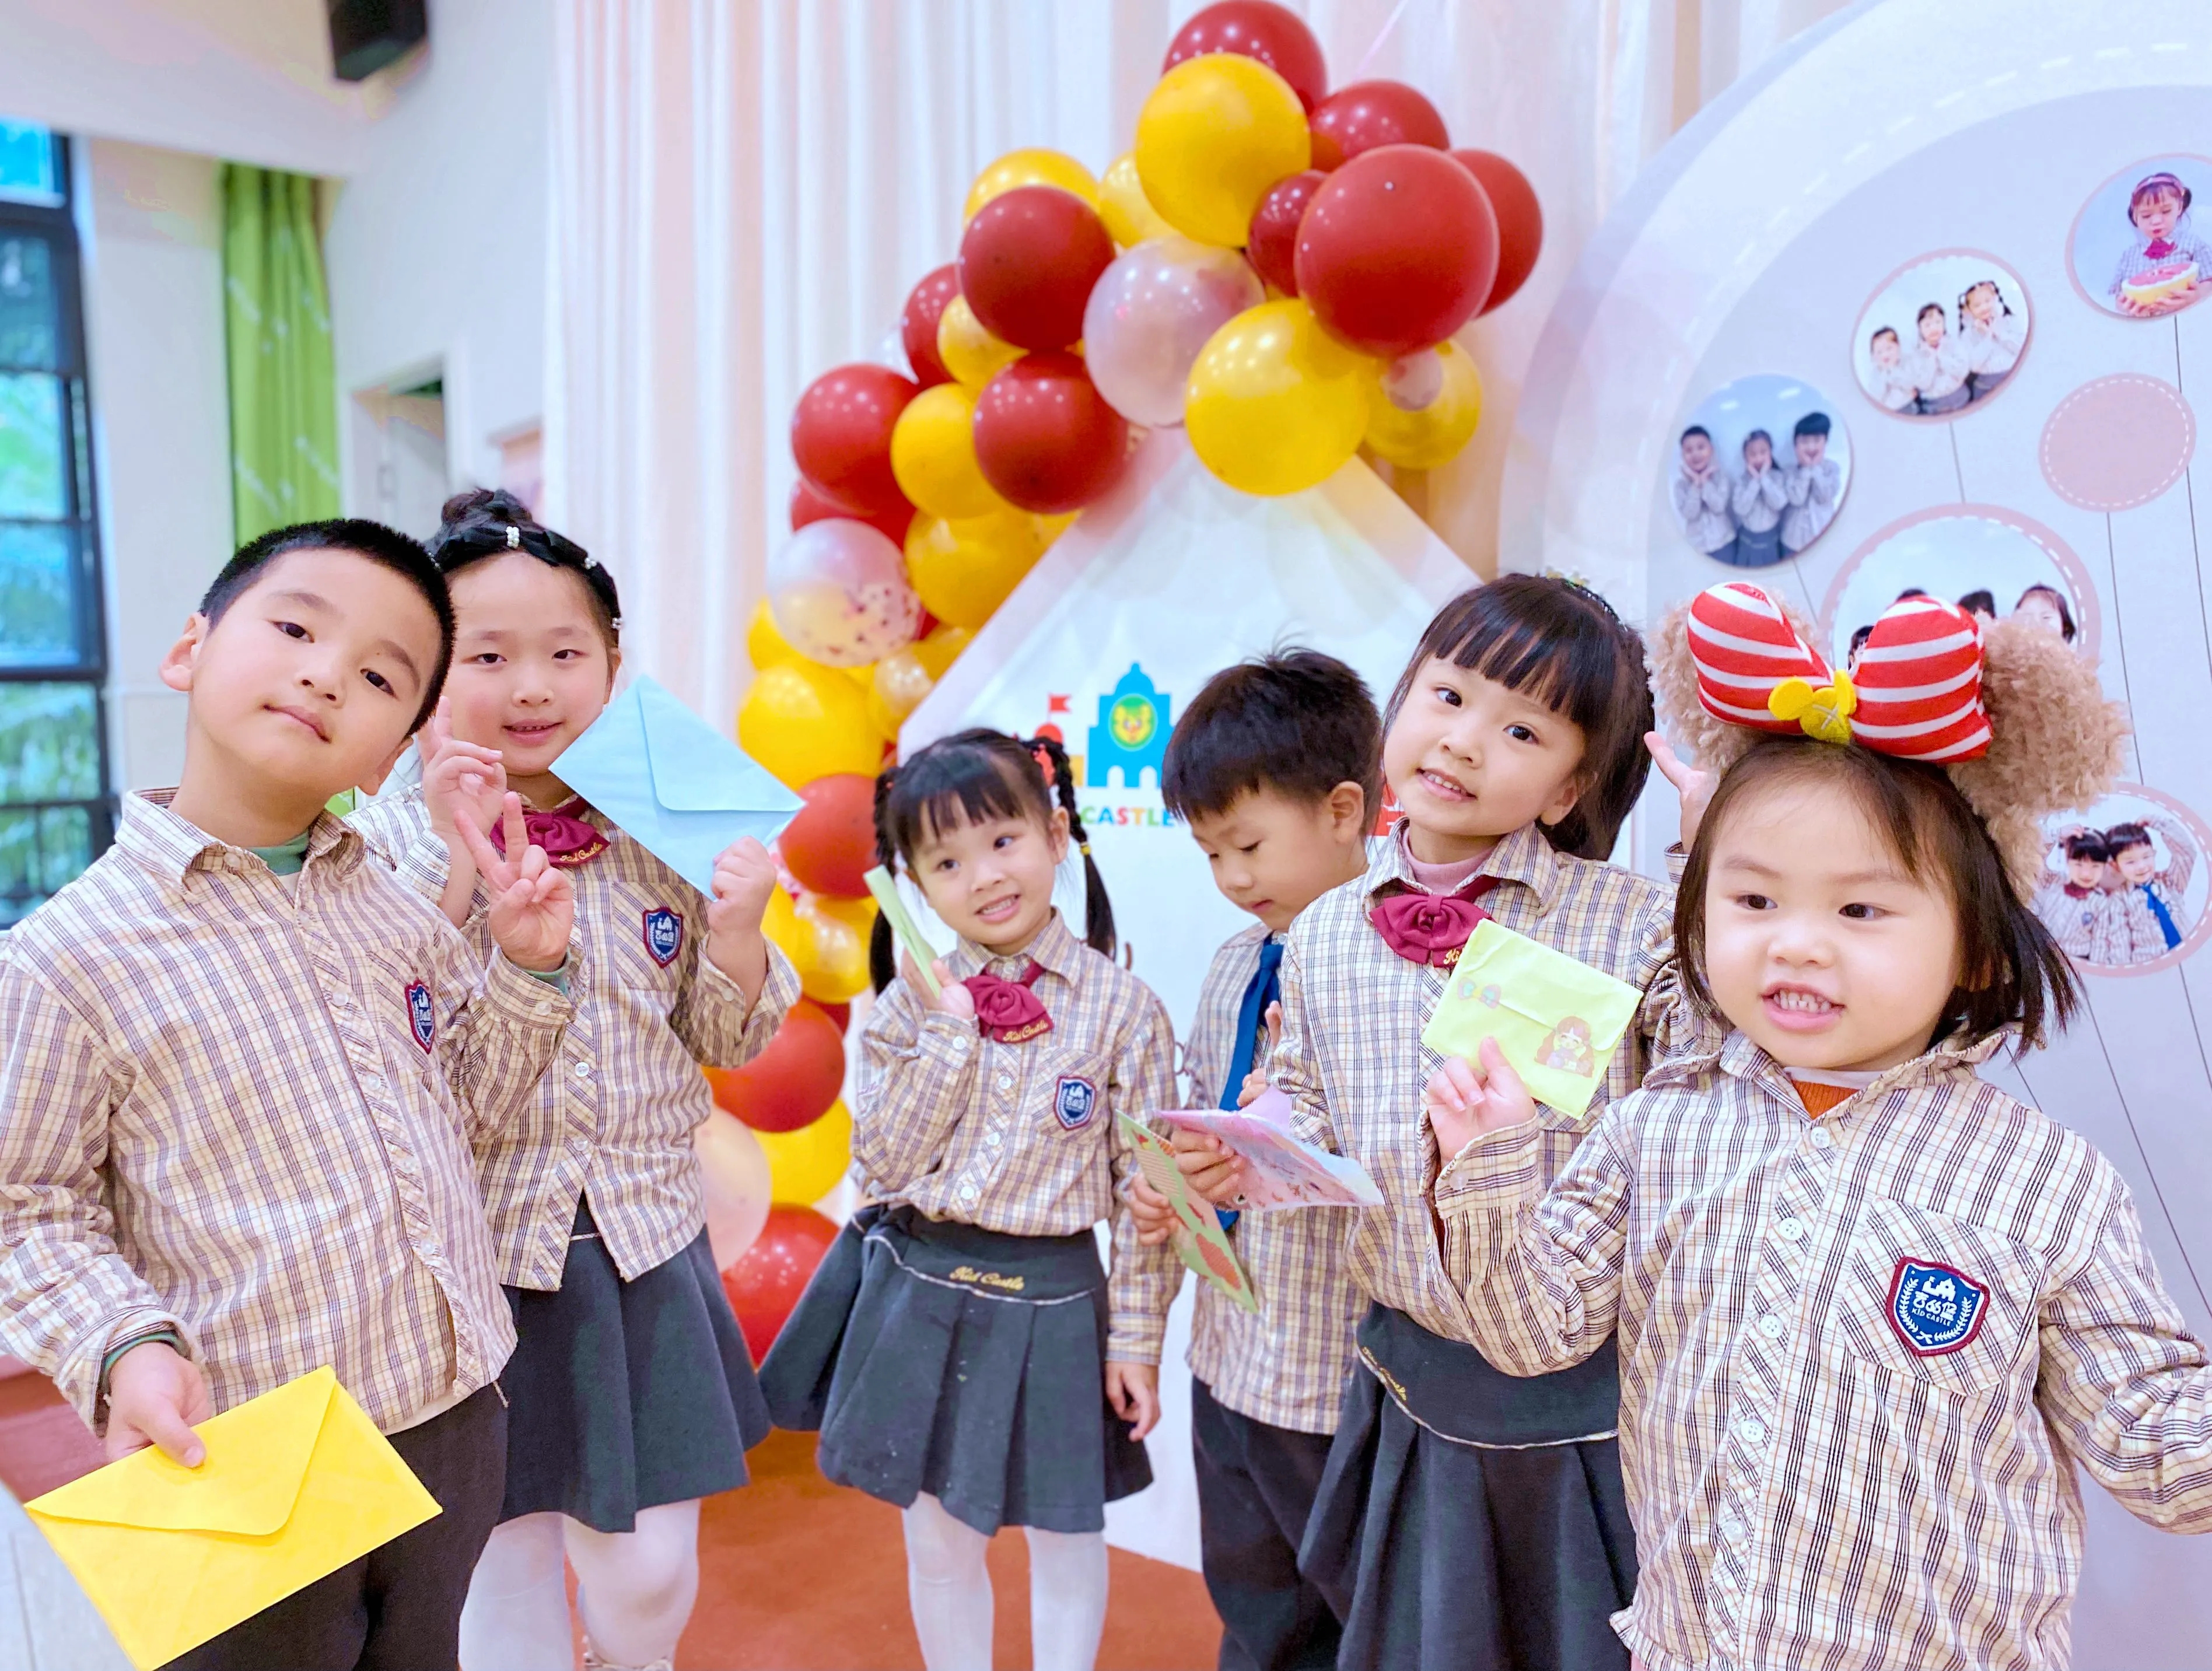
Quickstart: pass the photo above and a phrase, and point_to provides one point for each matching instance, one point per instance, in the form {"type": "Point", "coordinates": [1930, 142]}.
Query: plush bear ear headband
{"type": "Point", "coordinates": [2013, 713]}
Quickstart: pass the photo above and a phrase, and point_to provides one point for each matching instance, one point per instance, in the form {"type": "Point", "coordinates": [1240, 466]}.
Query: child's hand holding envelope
{"type": "Point", "coordinates": [677, 786]}
{"type": "Point", "coordinates": [1556, 1020]}
{"type": "Point", "coordinates": [296, 1483]}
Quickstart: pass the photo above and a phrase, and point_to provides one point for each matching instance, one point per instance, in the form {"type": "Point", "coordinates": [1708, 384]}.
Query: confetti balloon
{"type": "Point", "coordinates": [839, 594]}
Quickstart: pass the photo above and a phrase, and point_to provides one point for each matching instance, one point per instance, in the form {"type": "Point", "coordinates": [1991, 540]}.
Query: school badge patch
{"type": "Point", "coordinates": [1935, 1308]}
{"type": "Point", "coordinates": [421, 1019]}
{"type": "Point", "coordinates": [663, 935]}
{"type": "Point", "coordinates": [1075, 1100]}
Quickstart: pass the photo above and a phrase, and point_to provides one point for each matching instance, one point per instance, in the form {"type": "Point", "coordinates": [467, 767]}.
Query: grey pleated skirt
{"type": "Point", "coordinates": [623, 1395]}
{"type": "Point", "coordinates": [942, 1357]}
{"type": "Point", "coordinates": [1469, 1517]}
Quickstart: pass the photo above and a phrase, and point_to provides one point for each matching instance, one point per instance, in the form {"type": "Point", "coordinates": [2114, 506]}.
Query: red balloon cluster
{"type": "Point", "coordinates": [1027, 262]}
{"type": "Point", "coordinates": [1273, 246]}
{"type": "Point", "coordinates": [794, 1081]}
{"type": "Point", "coordinates": [809, 505]}
{"type": "Point", "coordinates": [765, 1282]}
{"type": "Point", "coordinates": [1366, 114]}
{"type": "Point", "coordinates": [831, 846]}
{"type": "Point", "coordinates": [925, 306]}
{"type": "Point", "coordinates": [842, 437]}
{"type": "Point", "coordinates": [1045, 438]}
{"type": "Point", "coordinates": [1278, 38]}
{"type": "Point", "coordinates": [1397, 249]}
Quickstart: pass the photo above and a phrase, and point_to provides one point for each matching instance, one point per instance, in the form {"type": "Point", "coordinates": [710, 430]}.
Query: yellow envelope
{"type": "Point", "coordinates": [1556, 1019]}
{"type": "Point", "coordinates": [296, 1483]}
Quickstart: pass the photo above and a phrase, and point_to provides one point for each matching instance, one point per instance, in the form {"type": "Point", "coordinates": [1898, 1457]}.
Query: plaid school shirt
{"type": "Point", "coordinates": [1286, 1364]}
{"type": "Point", "coordinates": [1860, 1356]}
{"type": "Point", "coordinates": [1021, 1139]}
{"type": "Point", "coordinates": [242, 1107]}
{"type": "Point", "coordinates": [614, 1117]}
{"type": "Point", "coordinates": [1351, 1059]}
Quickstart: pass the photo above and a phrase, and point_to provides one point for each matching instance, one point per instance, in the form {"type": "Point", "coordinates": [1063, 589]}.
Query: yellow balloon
{"type": "Point", "coordinates": [1129, 216]}
{"type": "Point", "coordinates": [1429, 434]}
{"type": "Point", "coordinates": [1275, 403]}
{"type": "Point", "coordinates": [1031, 166]}
{"type": "Point", "coordinates": [766, 645]}
{"type": "Point", "coordinates": [781, 927]}
{"type": "Point", "coordinates": [964, 570]}
{"type": "Point", "coordinates": [804, 1165]}
{"type": "Point", "coordinates": [802, 721]}
{"type": "Point", "coordinates": [971, 353]}
{"type": "Point", "coordinates": [944, 644]}
{"type": "Point", "coordinates": [934, 454]}
{"type": "Point", "coordinates": [880, 712]}
{"type": "Point", "coordinates": [836, 967]}
{"type": "Point", "coordinates": [904, 677]}
{"type": "Point", "coordinates": [1214, 134]}
{"type": "Point", "coordinates": [864, 675]}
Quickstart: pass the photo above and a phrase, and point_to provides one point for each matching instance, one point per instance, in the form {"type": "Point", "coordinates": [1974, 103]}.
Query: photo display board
{"type": "Point", "coordinates": [1983, 271]}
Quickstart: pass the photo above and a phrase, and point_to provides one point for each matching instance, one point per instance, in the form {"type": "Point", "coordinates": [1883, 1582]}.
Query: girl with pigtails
{"type": "Point", "coordinates": [959, 1349]}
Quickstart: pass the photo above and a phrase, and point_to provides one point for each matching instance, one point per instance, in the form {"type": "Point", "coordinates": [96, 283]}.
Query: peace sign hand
{"type": "Point", "coordinates": [533, 906]}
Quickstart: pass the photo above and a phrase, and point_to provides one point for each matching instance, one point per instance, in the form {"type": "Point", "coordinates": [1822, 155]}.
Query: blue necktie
{"type": "Point", "coordinates": [2165, 917]}
{"type": "Point", "coordinates": [1265, 988]}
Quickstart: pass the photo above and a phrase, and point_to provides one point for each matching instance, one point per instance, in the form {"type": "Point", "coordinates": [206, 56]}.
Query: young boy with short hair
{"type": "Point", "coordinates": [1276, 766]}
{"type": "Point", "coordinates": [241, 1074]}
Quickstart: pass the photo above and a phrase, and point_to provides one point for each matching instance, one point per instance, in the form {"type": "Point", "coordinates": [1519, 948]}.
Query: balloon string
{"type": "Point", "coordinates": [1390, 23]}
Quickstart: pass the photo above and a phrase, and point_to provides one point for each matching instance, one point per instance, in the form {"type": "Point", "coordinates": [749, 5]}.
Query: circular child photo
{"type": "Point", "coordinates": [1941, 333]}
{"type": "Point", "coordinates": [1757, 473]}
{"type": "Point", "coordinates": [1991, 563]}
{"type": "Point", "coordinates": [2134, 251]}
{"type": "Point", "coordinates": [2124, 882]}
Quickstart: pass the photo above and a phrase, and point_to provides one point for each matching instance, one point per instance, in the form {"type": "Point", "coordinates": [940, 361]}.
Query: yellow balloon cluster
{"type": "Point", "coordinates": [964, 569]}
{"type": "Point", "coordinates": [1032, 166]}
{"type": "Point", "coordinates": [825, 939]}
{"type": "Point", "coordinates": [1216, 133]}
{"type": "Point", "coordinates": [1275, 403]}
{"type": "Point", "coordinates": [971, 353]}
{"type": "Point", "coordinates": [1129, 216]}
{"type": "Point", "coordinates": [933, 455]}
{"type": "Point", "coordinates": [1424, 436]}
{"type": "Point", "coordinates": [804, 1165]}
{"type": "Point", "coordinates": [802, 720]}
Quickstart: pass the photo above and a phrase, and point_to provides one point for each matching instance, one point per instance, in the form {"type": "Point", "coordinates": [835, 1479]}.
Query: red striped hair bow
{"type": "Point", "coordinates": [1915, 692]}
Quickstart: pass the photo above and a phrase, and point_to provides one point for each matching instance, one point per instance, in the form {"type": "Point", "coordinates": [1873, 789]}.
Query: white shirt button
{"type": "Point", "coordinates": [967, 1192]}
{"type": "Point", "coordinates": [1731, 1527]}
{"type": "Point", "coordinates": [1772, 1327]}
{"type": "Point", "coordinates": [1822, 1139]}
{"type": "Point", "coordinates": [991, 1139]}
{"type": "Point", "coordinates": [1790, 1230]}
{"type": "Point", "coordinates": [1751, 1431]}
{"type": "Point", "coordinates": [583, 1070]}
{"type": "Point", "coordinates": [1006, 1082]}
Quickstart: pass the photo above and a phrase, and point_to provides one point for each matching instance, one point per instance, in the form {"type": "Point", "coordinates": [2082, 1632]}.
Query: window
{"type": "Point", "coordinates": [55, 813]}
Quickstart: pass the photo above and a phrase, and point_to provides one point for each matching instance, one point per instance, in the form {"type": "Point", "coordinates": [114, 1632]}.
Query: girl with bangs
{"type": "Point", "coordinates": [1467, 1517]}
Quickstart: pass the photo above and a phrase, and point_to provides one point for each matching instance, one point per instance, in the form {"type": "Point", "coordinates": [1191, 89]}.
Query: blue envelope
{"type": "Point", "coordinates": [677, 786]}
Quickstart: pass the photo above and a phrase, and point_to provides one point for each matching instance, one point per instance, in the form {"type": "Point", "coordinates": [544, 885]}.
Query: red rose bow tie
{"type": "Point", "coordinates": [1431, 928]}
{"type": "Point", "coordinates": [1009, 1011]}
{"type": "Point", "coordinates": [567, 840]}
{"type": "Point", "coordinates": [1914, 692]}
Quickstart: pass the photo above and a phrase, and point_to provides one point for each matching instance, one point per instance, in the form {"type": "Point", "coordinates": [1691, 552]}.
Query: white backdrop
{"type": "Point", "coordinates": [1873, 151]}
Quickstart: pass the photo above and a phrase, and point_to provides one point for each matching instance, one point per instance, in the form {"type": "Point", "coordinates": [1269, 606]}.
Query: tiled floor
{"type": "Point", "coordinates": [796, 1572]}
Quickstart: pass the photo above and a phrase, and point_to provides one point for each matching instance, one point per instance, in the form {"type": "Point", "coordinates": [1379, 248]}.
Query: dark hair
{"type": "Point", "coordinates": [1859, 636]}
{"type": "Point", "coordinates": [1759, 435]}
{"type": "Point", "coordinates": [1935, 307]}
{"type": "Point", "coordinates": [2152, 184]}
{"type": "Point", "coordinates": [2089, 844]}
{"type": "Point", "coordinates": [2013, 973]}
{"type": "Point", "coordinates": [490, 522]}
{"type": "Point", "coordinates": [1812, 423]}
{"type": "Point", "coordinates": [1981, 599]}
{"type": "Point", "coordinates": [2122, 836]}
{"type": "Point", "coordinates": [965, 778]}
{"type": "Point", "coordinates": [1558, 642]}
{"type": "Point", "coordinates": [1297, 721]}
{"type": "Point", "coordinates": [1888, 330]}
{"type": "Point", "coordinates": [2058, 598]}
{"type": "Point", "coordinates": [1911, 592]}
{"type": "Point", "coordinates": [385, 547]}
{"type": "Point", "coordinates": [1695, 429]}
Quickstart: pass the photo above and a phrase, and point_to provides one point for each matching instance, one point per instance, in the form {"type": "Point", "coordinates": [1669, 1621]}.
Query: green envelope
{"type": "Point", "coordinates": [1198, 1240]}
{"type": "Point", "coordinates": [1556, 1019]}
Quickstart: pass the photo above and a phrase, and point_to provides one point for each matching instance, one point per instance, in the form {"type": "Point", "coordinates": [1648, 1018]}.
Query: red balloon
{"type": "Point", "coordinates": [1397, 249]}
{"type": "Point", "coordinates": [1272, 246]}
{"type": "Point", "coordinates": [924, 305]}
{"type": "Point", "coordinates": [831, 845]}
{"type": "Point", "coordinates": [1277, 37]}
{"type": "Point", "coordinates": [1520, 220]}
{"type": "Point", "coordinates": [764, 1282]}
{"type": "Point", "coordinates": [1366, 114]}
{"type": "Point", "coordinates": [1045, 439]}
{"type": "Point", "coordinates": [842, 436]}
{"type": "Point", "coordinates": [808, 506]}
{"type": "Point", "coordinates": [1028, 261]}
{"type": "Point", "coordinates": [840, 1013]}
{"type": "Point", "coordinates": [794, 1081]}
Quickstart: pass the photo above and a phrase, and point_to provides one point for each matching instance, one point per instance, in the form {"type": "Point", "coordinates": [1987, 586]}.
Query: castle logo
{"type": "Point", "coordinates": [1130, 738]}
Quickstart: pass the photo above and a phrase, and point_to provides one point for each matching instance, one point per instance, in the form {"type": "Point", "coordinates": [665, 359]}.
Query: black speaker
{"type": "Point", "coordinates": [367, 35]}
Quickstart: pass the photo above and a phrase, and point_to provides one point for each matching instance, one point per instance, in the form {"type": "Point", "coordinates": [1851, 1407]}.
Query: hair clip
{"type": "Point", "coordinates": [1084, 848]}
{"type": "Point", "coordinates": [513, 538]}
{"type": "Point", "coordinates": [1039, 753]}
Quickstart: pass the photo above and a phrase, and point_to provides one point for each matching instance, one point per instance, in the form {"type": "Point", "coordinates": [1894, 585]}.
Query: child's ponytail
{"type": "Point", "coordinates": [883, 959]}
{"type": "Point", "coordinates": [1097, 909]}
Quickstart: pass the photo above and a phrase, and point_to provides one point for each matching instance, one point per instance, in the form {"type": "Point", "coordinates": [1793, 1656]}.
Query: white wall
{"type": "Point", "coordinates": [153, 279]}
{"type": "Point", "coordinates": [436, 244]}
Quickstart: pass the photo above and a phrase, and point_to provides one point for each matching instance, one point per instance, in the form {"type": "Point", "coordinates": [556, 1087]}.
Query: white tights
{"type": "Point", "coordinates": [635, 1590]}
{"type": "Point", "coordinates": [949, 1586]}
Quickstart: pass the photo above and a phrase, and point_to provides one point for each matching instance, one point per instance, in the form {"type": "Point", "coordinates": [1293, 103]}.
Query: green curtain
{"type": "Point", "coordinates": [284, 378]}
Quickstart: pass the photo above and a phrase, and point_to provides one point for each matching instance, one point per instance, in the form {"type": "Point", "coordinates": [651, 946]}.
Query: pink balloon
{"type": "Point", "coordinates": [1151, 313]}
{"type": "Point", "coordinates": [839, 594]}
{"type": "Point", "coordinates": [734, 1170]}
